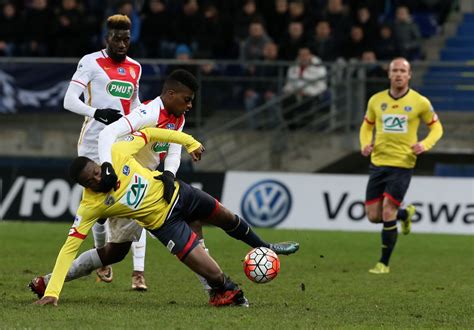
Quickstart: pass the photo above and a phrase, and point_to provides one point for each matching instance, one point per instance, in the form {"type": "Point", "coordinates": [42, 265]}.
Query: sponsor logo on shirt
{"type": "Point", "coordinates": [408, 108]}
{"type": "Point", "coordinates": [77, 221]}
{"type": "Point", "coordinates": [143, 111]}
{"type": "Point", "coordinates": [121, 89]}
{"type": "Point", "coordinates": [126, 170]}
{"type": "Point", "coordinates": [160, 147]}
{"type": "Point", "coordinates": [395, 123]}
{"type": "Point", "coordinates": [135, 192]}
{"type": "Point", "coordinates": [128, 138]}
{"type": "Point", "coordinates": [121, 71]}
{"type": "Point", "coordinates": [170, 126]}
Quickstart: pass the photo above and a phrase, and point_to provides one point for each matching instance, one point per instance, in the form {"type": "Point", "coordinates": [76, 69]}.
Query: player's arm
{"type": "Point", "coordinates": [72, 100]}
{"type": "Point", "coordinates": [173, 156]}
{"type": "Point", "coordinates": [171, 166]}
{"type": "Point", "coordinates": [436, 131]}
{"type": "Point", "coordinates": [366, 131]}
{"type": "Point", "coordinates": [153, 134]}
{"type": "Point", "coordinates": [82, 224]}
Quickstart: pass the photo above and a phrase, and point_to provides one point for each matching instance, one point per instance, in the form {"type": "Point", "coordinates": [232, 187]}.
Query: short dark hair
{"type": "Point", "coordinates": [118, 22]}
{"type": "Point", "coordinates": [182, 77]}
{"type": "Point", "coordinates": [77, 166]}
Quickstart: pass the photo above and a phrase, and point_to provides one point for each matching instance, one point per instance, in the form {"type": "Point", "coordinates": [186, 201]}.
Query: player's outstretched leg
{"type": "Point", "coordinates": [138, 253]}
{"type": "Point", "coordinates": [224, 291]}
{"type": "Point", "coordinates": [82, 266]}
{"type": "Point", "coordinates": [196, 227]}
{"type": "Point", "coordinates": [85, 264]}
{"type": "Point", "coordinates": [238, 228]}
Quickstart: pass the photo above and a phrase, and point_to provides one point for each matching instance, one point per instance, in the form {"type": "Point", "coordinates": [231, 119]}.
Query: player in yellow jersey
{"type": "Point", "coordinates": [395, 114]}
{"type": "Point", "coordinates": [138, 194]}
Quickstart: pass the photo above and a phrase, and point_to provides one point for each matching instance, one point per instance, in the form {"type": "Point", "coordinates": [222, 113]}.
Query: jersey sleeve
{"type": "Point", "coordinates": [431, 119]}
{"type": "Point", "coordinates": [367, 127]}
{"type": "Point", "coordinates": [84, 72]}
{"type": "Point", "coordinates": [173, 156]}
{"type": "Point", "coordinates": [83, 222]}
{"type": "Point", "coordinates": [370, 113]}
{"type": "Point", "coordinates": [133, 143]}
{"type": "Point", "coordinates": [427, 113]}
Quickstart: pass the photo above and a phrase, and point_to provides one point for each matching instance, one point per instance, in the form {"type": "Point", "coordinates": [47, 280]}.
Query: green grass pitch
{"type": "Point", "coordinates": [326, 284]}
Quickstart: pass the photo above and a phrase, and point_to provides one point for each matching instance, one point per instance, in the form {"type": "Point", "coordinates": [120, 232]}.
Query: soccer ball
{"type": "Point", "coordinates": [261, 265]}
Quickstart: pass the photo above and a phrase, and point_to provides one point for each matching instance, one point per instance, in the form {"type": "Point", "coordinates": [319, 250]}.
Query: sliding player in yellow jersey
{"type": "Point", "coordinates": [138, 194]}
{"type": "Point", "coordinates": [395, 114]}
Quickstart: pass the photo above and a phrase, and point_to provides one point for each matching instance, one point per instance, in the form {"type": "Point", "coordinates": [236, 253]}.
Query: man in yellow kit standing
{"type": "Point", "coordinates": [395, 114]}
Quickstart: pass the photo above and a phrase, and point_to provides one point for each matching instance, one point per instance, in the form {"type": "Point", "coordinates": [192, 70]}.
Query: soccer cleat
{"type": "Point", "coordinates": [379, 269]}
{"type": "Point", "coordinates": [240, 300]}
{"type": "Point", "coordinates": [285, 248]}
{"type": "Point", "coordinates": [227, 298]}
{"type": "Point", "coordinates": [229, 294]}
{"type": "Point", "coordinates": [105, 274]}
{"type": "Point", "coordinates": [38, 286]}
{"type": "Point", "coordinates": [406, 224]}
{"type": "Point", "coordinates": [138, 281]}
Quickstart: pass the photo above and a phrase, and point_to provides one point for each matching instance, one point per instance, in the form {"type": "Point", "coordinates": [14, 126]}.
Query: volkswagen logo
{"type": "Point", "coordinates": [266, 203]}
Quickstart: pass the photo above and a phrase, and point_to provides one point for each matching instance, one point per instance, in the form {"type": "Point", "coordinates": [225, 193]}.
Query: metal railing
{"type": "Point", "coordinates": [219, 113]}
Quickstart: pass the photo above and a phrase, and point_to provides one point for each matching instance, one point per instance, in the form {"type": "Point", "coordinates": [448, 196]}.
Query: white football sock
{"type": "Point", "coordinates": [81, 266]}
{"type": "Point", "coordinates": [138, 253]}
{"type": "Point", "coordinates": [203, 281]}
{"type": "Point", "coordinates": [100, 235]}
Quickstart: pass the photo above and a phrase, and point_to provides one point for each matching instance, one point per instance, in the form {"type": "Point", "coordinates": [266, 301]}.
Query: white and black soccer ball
{"type": "Point", "coordinates": [261, 265]}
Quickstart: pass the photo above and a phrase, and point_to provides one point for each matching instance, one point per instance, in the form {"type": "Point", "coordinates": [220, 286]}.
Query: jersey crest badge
{"type": "Point", "coordinates": [170, 126]}
{"type": "Point", "coordinates": [132, 73]}
{"type": "Point", "coordinates": [408, 108]}
{"type": "Point", "coordinates": [383, 106]}
{"type": "Point", "coordinates": [109, 200]}
{"type": "Point", "coordinates": [121, 71]}
{"type": "Point", "coordinates": [126, 170]}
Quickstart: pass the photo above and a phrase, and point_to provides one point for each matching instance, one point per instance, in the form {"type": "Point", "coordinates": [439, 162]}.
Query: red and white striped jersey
{"type": "Point", "coordinates": [107, 84]}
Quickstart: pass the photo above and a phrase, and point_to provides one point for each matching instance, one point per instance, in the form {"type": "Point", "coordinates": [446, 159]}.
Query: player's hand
{"type": "Point", "coordinates": [108, 178]}
{"type": "Point", "coordinates": [367, 150]}
{"type": "Point", "coordinates": [418, 148]}
{"type": "Point", "coordinates": [197, 153]}
{"type": "Point", "coordinates": [47, 301]}
{"type": "Point", "coordinates": [107, 116]}
{"type": "Point", "coordinates": [168, 185]}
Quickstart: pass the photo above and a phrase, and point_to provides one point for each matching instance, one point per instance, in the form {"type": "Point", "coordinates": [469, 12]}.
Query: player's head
{"type": "Point", "coordinates": [118, 37]}
{"type": "Point", "coordinates": [86, 172]}
{"type": "Point", "coordinates": [178, 92]}
{"type": "Point", "coordinates": [399, 73]}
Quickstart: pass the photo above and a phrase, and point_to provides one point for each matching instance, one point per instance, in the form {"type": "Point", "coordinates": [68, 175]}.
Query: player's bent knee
{"type": "Point", "coordinates": [374, 217]}
{"type": "Point", "coordinates": [389, 214]}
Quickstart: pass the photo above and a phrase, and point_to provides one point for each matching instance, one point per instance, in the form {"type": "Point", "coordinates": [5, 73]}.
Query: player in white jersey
{"type": "Point", "coordinates": [109, 81]}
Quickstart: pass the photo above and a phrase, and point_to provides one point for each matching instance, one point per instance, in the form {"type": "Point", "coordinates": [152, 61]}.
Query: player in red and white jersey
{"type": "Point", "coordinates": [109, 81]}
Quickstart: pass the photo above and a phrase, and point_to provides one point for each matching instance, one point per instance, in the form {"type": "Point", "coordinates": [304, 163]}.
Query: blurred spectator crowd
{"type": "Point", "coordinates": [221, 29]}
